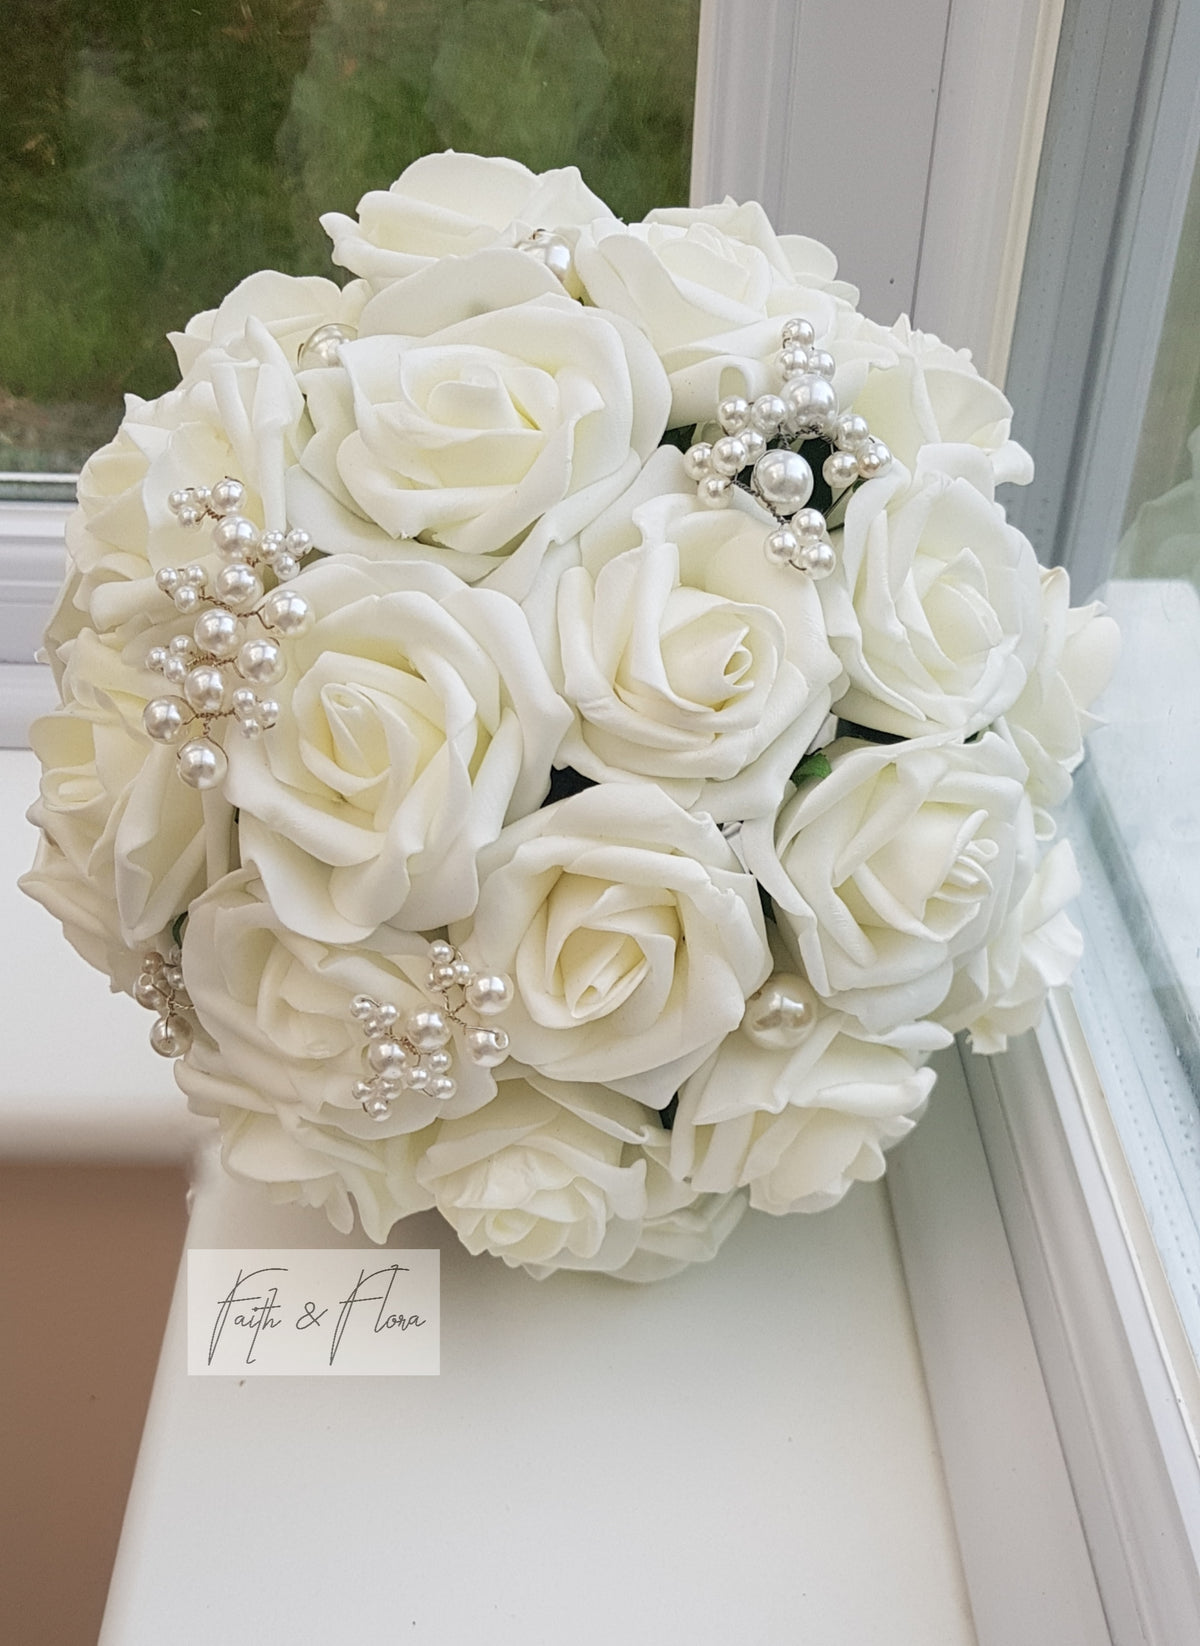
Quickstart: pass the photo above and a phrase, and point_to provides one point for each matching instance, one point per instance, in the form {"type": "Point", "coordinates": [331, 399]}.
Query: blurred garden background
{"type": "Point", "coordinates": [153, 152]}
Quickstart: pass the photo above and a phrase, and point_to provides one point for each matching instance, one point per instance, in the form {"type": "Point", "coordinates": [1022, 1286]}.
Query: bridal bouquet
{"type": "Point", "coordinates": [558, 728]}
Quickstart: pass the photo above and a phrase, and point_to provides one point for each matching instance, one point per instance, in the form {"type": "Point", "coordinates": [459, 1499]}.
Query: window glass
{"type": "Point", "coordinates": [151, 155]}
{"type": "Point", "coordinates": [1136, 811]}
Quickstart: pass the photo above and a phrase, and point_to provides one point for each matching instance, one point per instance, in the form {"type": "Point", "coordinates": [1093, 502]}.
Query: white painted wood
{"type": "Point", "coordinates": [1026, 1562]}
{"type": "Point", "coordinates": [1117, 1397]}
{"type": "Point", "coordinates": [826, 114]}
{"type": "Point", "coordinates": [741, 1454]}
{"type": "Point", "coordinates": [78, 1080]}
{"type": "Point", "coordinates": [991, 114]}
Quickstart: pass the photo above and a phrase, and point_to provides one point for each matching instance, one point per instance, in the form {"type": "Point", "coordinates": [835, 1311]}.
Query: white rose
{"type": "Point", "coordinates": [891, 869]}
{"type": "Point", "coordinates": [239, 411]}
{"type": "Point", "coordinates": [547, 1176]}
{"type": "Point", "coordinates": [797, 1127]}
{"type": "Point", "coordinates": [711, 289]}
{"type": "Point", "coordinates": [112, 804]}
{"type": "Point", "coordinates": [680, 1227]}
{"type": "Point", "coordinates": [1048, 722]}
{"type": "Point", "coordinates": [416, 719]}
{"type": "Point", "coordinates": [85, 909]}
{"type": "Point", "coordinates": [630, 933]}
{"type": "Point", "coordinates": [689, 659]}
{"type": "Point", "coordinates": [480, 417]}
{"type": "Point", "coordinates": [324, 1168]}
{"type": "Point", "coordinates": [929, 394]}
{"type": "Point", "coordinates": [1001, 990]}
{"type": "Point", "coordinates": [275, 1008]}
{"type": "Point", "coordinates": [291, 308]}
{"type": "Point", "coordinates": [934, 607]}
{"type": "Point", "coordinates": [448, 205]}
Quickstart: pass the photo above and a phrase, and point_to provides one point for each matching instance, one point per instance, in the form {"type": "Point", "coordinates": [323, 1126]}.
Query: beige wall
{"type": "Point", "coordinates": [87, 1261]}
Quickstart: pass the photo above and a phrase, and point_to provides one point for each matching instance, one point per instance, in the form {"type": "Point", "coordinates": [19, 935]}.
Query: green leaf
{"type": "Point", "coordinates": [815, 765]}
{"type": "Point", "coordinates": [177, 929]}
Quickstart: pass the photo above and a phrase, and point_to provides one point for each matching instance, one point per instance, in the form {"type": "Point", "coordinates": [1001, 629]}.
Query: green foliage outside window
{"type": "Point", "coordinates": [152, 152]}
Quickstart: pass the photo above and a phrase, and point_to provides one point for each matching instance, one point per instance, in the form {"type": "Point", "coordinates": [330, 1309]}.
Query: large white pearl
{"type": "Point", "coordinates": [238, 585]}
{"type": "Point", "coordinates": [322, 348]}
{"type": "Point", "coordinates": [202, 763]}
{"type": "Point", "coordinates": [427, 1029]}
{"type": "Point", "coordinates": [218, 632]}
{"type": "Point", "coordinates": [489, 993]}
{"type": "Point", "coordinates": [261, 662]}
{"type": "Point", "coordinates": [287, 612]}
{"type": "Point", "coordinates": [386, 1056]}
{"type": "Point", "coordinates": [204, 688]}
{"type": "Point", "coordinates": [163, 719]}
{"type": "Point", "coordinates": [801, 332]}
{"type": "Point", "coordinates": [235, 537]}
{"type": "Point", "coordinates": [783, 480]}
{"type": "Point", "coordinates": [171, 1036]}
{"type": "Point", "coordinates": [811, 404]}
{"type": "Point", "coordinates": [782, 1013]}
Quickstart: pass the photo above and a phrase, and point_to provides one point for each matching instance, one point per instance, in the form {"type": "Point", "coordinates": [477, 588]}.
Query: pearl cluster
{"type": "Point", "coordinates": [415, 1055]}
{"type": "Point", "coordinates": [159, 987]}
{"type": "Point", "coordinates": [781, 477]}
{"type": "Point", "coordinates": [782, 1014]}
{"type": "Point", "coordinates": [221, 649]}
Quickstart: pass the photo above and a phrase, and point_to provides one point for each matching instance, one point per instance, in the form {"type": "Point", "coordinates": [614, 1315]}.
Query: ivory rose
{"type": "Point", "coordinates": [548, 1176]}
{"type": "Point", "coordinates": [275, 1008]}
{"type": "Point", "coordinates": [1074, 663]}
{"type": "Point", "coordinates": [711, 288]}
{"type": "Point", "coordinates": [688, 658]}
{"type": "Point", "coordinates": [631, 935]}
{"type": "Point", "coordinates": [448, 205]}
{"type": "Point", "coordinates": [920, 393]}
{"type": "Point", "coordinates": [113, 807]}
{"type": "Point", "coordinates": [480, 417]}
{"type": "Point", "coordinates": [797, 1127]}
{"type": "Point", "coordinates": [934, 608]}
{"type": "Point", "coordinates": [323, 1167]}
{"type": "Point", "coordinates": [416, 719]}
{"type": "Point", "coordinates": [891, 869]}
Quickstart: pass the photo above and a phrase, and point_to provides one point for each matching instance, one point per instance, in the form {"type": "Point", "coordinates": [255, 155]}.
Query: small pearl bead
{"type": "Point", "coordinates": [441, 952]}
{"type": "Point", "coordinates": [840, 470]}
{"type": "Point", "coordinates": [697, 461]}
{"type": "Point", "coordinates": [218, 632]}
{"type": "Point", "coordinates": [167, 579]}
{"type": "Point", "coordinates": [297, 541]}
{"type": "Point", "coordinates": [755, 444]}
{"type": "Point", "coordinates": [729, 455]}
{"type": "Point", "coordinates": [442, 1087]}
{"type": "Point", "coordinates": [287, 612]}
{"type": "Point", "coordinates": [486, 1047]}
{"type": "Point", "coordinates": [489, 993]}
{"type": "Point", "coordinates": [714, 491]}
{"type": "Point", "coordinates": [791, 362]}
{"type": "Point", "coordinates": [801, 332]}
{"type": "Point", "coordinates": [377, 1106]}
{"type": "Point", "coordinates": [851, 431]}
{"type": "Point", "coordinates": [733, 414]}
{"type": "Point", "coordinates": [261, 662]}
{"type": "Point", "coordinates": [187, 599]}
{"type": "Point", "coordinates": [809, 525]}
{"type": "Point", "coordinates": [163, 719]}
{"type": "Point", "coordinates": [781, 545]}
{"type": "Point", "coordinates": [782, 1014]}
{"type": "Point", "coordinates": [322, 347]}
{"type": "Point", "coordinates": [821, 363]}
{"type": "Point", "coordinates": [285, 565]}
{"type": "Point", "coordinates": [226, 496]}
{"type": "Point", "coordinates": [238, 585]}
{"type": "Point", "coordinates": [147, 994]}
{"type": "Point", "coordinates": [386, 1054]}
{"type": "Point", "coordinates": [363, 1006]}
{"type": "Point", "coordinates": [767, 413]}
{"type": "Point", "coordinates": [817, 559]}
{"type": "Point", "coordinates": [811, 404]}
{"type": "Point", "coordinates": [874, 459]}
{"type": "Point", "coordinates": [174, 670]}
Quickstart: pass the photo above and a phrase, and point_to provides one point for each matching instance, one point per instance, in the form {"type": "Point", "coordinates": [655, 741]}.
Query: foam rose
{"type": "Point", "coordinates": [888, 871]}
{"type": "Point", "coordinates": [417, 718]}
{"type": "Point", "coordinates": [480, 417]}
{"type": "Point", "coordinates": [449, 205]}
{"type": "Point", "coordinates": [631, 934]}
{"type": "Point", "coordinates": [688, 658]}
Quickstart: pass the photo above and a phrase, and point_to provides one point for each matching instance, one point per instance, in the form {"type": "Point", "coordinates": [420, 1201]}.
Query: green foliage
{"type": "Point", "coordinates": [814, 766]}
{"type": "Point", "coordinates": [151, 156]}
